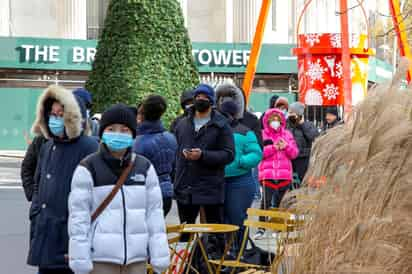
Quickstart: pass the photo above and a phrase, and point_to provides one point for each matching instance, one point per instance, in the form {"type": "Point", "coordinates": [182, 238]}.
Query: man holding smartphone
{"type": "Point", "coordinates": [205, 147]}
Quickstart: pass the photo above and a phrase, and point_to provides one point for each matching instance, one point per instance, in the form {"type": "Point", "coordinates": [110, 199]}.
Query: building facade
{"type": "Point", "coordinates": [45, 42]}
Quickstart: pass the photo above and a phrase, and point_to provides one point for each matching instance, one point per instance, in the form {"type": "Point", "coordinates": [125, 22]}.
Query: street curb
{"type": "Point", "coordinates": [11, 156]}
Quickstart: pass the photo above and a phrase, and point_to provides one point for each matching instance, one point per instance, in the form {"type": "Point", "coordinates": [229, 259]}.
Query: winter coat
{"type": "Point", "coordinates": [277, 164]}
{"type": "Point", "coordinates": [177, 120]}
{"type": "Point", "coordinates": [29, 164]}
{"type": "Point", "coordinates": [251, 121]}
{"type": "Point", "coordinates": [247, 151]}
{"type": "Point", "coordinates": [159, 147]}
{"type": "Point", "coordinates": [57, 161]}
{"type": "Point", "coordinates": [229, 91]}
{"type": "Point", "coordinates": [130, 229]}
{"type": "Point", "coordinates": [304, 135]}
{"type": "Point", "coordinates": [202, 182]}
{"type": "Point", "coordinates": [327, 126]}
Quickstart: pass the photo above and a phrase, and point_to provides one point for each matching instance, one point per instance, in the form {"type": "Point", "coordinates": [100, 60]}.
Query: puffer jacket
{"type": "Point", "coordinates": [304, 134]}
{"type": "Point", "coordinates": [247, 151]}
{"type": "Point", "coordinates": [277, 164]}
{"type": "Point", "coordinates": [159, 147]}
{"type": "Point", "coordinates": [58, 159]}
{"type": "Point", "coordinates": [130, 229]}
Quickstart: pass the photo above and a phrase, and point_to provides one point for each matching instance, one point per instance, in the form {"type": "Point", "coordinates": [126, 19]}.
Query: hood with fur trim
{"type": "Point", "coordinates": [74, 112]}
{"type": "Point", "coordinates": [230, 91]}
{"type": "Point", "coordinates": [270, 113]}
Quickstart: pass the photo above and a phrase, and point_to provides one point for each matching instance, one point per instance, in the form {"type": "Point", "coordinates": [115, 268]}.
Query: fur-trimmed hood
{"type": "Point", "coordinates": [74, 112]}
{"type": "Point", "coordinates": [227, 91]}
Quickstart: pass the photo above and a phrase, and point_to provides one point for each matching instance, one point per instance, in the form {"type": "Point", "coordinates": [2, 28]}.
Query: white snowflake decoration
{"type": "Point", "coordinates": [339, 70]}
{"type": "Point", "coordinates": [336, 40]}
{"type": "Point", "coordinates": [313, 97]}
{"type": "Point", "coordinates": [312, 39]}
{"type": "Point", "coordinates": [315, 71]}
{"type": "Point", "coordinates": [331, 92]}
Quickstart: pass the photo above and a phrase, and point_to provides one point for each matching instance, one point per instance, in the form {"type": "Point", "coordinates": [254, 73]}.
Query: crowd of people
{"type": "Point", "coordinates": [100, 191]}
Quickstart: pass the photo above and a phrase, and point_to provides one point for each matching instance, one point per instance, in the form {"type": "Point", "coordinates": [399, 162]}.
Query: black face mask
{"type": "Point", "coordinates": [202, 105]}
{"type": "Point", "coordinates": [293, 119]}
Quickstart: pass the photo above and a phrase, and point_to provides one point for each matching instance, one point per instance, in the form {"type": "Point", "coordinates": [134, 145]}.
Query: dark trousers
{"type": "Point", "coordinates": [239, 195]}
{"type": "Point", "coordinates": [55, 271]}
{"type": "Point", "coordinates": [188, 213]}
{"type": "Point", "coordinates": [272, 198]}
{"type": "Point", "coordinates": [300, 166]}
{"type": "Point", "coordinates": [167, 205]}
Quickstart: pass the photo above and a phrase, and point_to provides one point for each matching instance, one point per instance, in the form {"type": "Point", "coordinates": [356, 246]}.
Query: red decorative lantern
{"type": "Point", "coordinates": [320, 67]}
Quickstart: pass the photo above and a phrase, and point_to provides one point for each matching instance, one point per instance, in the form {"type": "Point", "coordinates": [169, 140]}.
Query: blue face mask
{"type": "Point", "coordinates": [286, 113]}
{"type": "Point", "coordinates": [116, 141]}
{"type": "Point", "coordinates": [56, 125]}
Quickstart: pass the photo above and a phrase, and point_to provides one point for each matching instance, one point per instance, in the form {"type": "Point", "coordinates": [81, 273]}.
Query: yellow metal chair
{"type": "Point", "coordinates": [174, 233]}
{"type": "Point", "coordinates": [281, 221]}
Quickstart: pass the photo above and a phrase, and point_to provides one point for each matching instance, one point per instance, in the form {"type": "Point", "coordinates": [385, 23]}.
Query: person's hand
{"type": "Point", "coordinates": [186, 154]}
{"type": "Point", "coordinates": [282, 144]}
{"type": "Point", "coordinates": [193, 154]}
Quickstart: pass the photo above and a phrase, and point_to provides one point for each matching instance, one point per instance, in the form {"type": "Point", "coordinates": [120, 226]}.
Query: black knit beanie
{"type": "Point", "coordinates": [118, 114]}
{"type": "Point", "coordinates": [332, 110]}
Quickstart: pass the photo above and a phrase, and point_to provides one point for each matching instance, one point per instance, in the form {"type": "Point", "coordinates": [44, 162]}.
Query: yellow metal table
{"type": "Point", "coordinates": [197, 229]}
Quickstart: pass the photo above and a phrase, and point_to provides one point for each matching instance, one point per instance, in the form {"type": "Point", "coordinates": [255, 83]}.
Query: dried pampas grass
{"type": "Point", "coordinates": [361, 217]}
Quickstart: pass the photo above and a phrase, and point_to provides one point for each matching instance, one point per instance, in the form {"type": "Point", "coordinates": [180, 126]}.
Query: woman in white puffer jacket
{"type": "Point", "coordinates": [132, 228]}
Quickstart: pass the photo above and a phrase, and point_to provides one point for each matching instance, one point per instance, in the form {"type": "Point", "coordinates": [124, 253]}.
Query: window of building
{"type": "Point", "coordinates": [96, 13]}
{"type": "Point", "coordinates": [274, 10]}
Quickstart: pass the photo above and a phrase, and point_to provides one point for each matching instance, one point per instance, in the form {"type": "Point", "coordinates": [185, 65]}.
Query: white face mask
{"type": "Point", "coordinates": [275, 125]}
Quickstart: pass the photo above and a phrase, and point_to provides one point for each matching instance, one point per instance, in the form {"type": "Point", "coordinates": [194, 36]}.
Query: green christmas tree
{"type": "Point", "coordinates": [144, 49]}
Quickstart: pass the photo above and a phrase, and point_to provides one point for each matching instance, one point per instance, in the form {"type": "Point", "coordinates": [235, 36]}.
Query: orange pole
{"type": "Point", "coordinates": [399, 26]}
{"type": "Point", "coordinates": [256, 48]}
{"type": "Point", "coordinates": [346, 58]}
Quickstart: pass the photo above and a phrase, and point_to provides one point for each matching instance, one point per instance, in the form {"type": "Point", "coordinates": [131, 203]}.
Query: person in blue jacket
{"type": "Point", "coordinates": [239, 182]}
{"type": "Point", "coordinates": [157, 145]}
{"type": "Point", "coordinates": [86, 96]}
{"type": "Point", "coordinates": [61, 119]}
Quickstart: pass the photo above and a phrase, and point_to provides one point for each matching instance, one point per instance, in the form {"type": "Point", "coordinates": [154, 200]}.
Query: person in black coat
{"type": "Point", "coordinates": [331, 118]}
{"type": "Point", "coordinates": [61, 118]}
{"type": "Point", "coordinates": [29, 164]}
{"type": "Point", "coordinates": [205, 147]}
{"type": "Point", "coordinates": [186, 102]}
{"type": "Point", "coordinates": [305, 133]}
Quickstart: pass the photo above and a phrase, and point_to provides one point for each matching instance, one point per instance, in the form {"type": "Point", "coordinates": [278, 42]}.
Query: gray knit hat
{"type": "Point", "coordinates": [297, 108]}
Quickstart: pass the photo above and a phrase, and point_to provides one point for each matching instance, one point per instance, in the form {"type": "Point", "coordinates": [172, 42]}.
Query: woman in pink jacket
{"type": "Point", "coordinates": [275, 170]}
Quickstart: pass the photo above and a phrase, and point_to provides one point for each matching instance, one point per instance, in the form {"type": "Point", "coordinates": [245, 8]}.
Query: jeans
{"type": "Point", "coordinates": [255, 175]}
{"type": "Point", "coordinates": [239, 195]}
